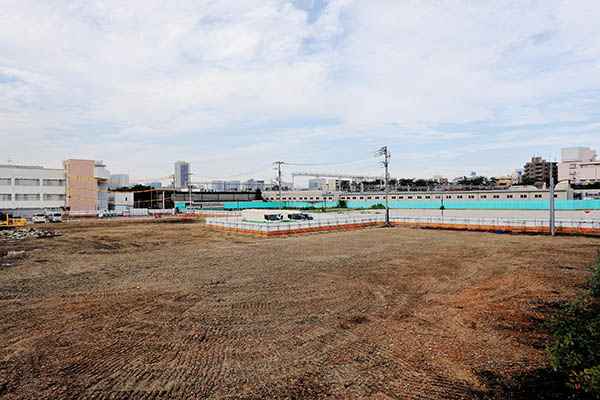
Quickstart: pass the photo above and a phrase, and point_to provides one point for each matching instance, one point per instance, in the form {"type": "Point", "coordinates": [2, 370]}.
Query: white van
{"type": "Point", "coordinates": [55, 217]}
{"type": "Point", "coordinates": [39, 218]}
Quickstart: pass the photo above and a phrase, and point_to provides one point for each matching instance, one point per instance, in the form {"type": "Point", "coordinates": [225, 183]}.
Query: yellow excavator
{"type": "Point", "coordinates": [7, 221]}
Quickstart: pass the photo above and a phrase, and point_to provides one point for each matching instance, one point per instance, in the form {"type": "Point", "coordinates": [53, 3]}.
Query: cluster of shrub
{"type": "Point", "coordinates": [576, 350]}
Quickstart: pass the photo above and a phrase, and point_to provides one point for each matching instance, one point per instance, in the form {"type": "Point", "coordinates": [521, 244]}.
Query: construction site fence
{"type": "Point", "coordinates": [208, 213]}
{"type": "Point", "coordinates": [500, 225]}
{"type": "Point", "coordinates": [132, 212]}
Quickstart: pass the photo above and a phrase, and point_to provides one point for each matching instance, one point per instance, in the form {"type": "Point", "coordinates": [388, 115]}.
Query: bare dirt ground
{"type": "Point", "coordinates": [155, 309]}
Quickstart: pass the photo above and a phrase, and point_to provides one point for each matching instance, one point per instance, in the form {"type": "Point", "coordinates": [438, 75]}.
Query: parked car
{"type": "Point", "coordinates": [300, 216]}
{"type": "Point", "coordinates": [55, 217]}
{"type": "Point", "coordinates": [106, 213]}
{"type": "Point", "coordinates": [39, 218]}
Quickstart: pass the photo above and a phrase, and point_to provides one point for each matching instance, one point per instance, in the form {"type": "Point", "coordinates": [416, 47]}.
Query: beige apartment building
{"type": "Point", "coordinates": [579, 165]}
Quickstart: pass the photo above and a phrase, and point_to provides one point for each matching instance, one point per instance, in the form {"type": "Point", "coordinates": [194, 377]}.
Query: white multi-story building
{"type": "Point", "coordinates": [517, 176]}
{"type": "Point", "coordinates": [317, 183]}
{"type": "Point", "coordinates": [253, 184]}
{"type": "Point", "coordinates": [233, 186]}
{"type": "Point", "coordinates": [182, 174]}
{"type": "Point", "coordinates": [578, 165]}
{"type": "Point", "coordinates": [29, 189]}
{"type": "Point", "coordinates": [119, 180]}
{"type": "Point", "coordinates": [120, 201]}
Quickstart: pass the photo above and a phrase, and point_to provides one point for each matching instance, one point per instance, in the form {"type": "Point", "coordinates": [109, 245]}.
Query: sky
{"type": "Point", "coordinates": [449, 86]}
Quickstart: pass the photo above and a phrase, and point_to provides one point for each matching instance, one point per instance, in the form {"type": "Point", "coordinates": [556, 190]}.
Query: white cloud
{"type": "Point", "coordinates": [179, 79]}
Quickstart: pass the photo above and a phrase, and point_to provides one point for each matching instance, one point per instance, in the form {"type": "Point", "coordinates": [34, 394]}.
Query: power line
{"type": "Point", "coordinates": [362, 158]}
{"type": "Point", "coordinates": [236, 175]}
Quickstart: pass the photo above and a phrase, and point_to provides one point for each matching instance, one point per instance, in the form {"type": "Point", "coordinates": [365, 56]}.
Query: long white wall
{"type": "Point", "coordinates": [318, 195]}
{"type": "Point", "coordinates": [24, 187]}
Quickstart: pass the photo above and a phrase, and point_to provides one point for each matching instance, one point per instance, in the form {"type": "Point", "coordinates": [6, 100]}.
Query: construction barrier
{"type": "Point", "coordinates": [323, 224]}
{"type": "Point", "coordinates": [209, 213]}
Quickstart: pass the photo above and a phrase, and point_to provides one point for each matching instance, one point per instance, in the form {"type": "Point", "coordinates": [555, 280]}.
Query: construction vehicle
{"type": "Point", "coordinates": [7, 221]}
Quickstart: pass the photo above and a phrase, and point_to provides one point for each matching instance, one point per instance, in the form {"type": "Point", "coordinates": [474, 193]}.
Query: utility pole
{"type": "Point", "coordinates": [163, 202]}
{"type": "Point", "coordinates": [551, 200]}
{"type": "Point", "coordinates": [279, 179]}
{"type": "Point", "coordinates": [386, 160]}
{"type": "Point", "coordinates": [190, 189]}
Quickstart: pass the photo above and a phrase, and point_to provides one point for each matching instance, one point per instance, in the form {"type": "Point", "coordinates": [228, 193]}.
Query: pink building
{"type": "Point", "coordinates": [579, 164]}
{"type": "Point", "coordinates": [87, 185]}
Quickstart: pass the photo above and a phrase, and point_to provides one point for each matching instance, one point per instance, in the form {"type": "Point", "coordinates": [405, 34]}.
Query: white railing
{"type": "Point", "coordinates": [529, 225]}
{"type": "Point", "coordinates": [356, 221]}
{"type": "Point", "coordinates": [316, 224]}
{"type": "Point", "coordinates": [213, 212]}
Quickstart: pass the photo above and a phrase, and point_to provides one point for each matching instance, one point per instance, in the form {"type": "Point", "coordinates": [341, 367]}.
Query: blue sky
{"type": "Point", "coordinates": [231, 86]}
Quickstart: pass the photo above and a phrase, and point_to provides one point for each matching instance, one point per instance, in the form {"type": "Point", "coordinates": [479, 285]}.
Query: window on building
{"type": "Point", "coordinates": [496, 196]}
{"type": "Point", "coordinates": [509, 196]}
{"type": "Point", "coordinates": [353, 197]}
{"type": "Point", "coordinates": [401, 197]}
{"type": "Point", "coordinates": [419, 197]}
{"type": "Point", "coordinates": [555, 196]}
{"type": "Point", "coordinates": [5, 197]}
{"type": "Point", "coordinates": [361, 197]}
{"type": "Point", "coordinates": [27, 182]}
{"type": "Point", "coordinates": [471, 196]}
{"type": "Point", "coordinates": [393, 197]}
{"type": "Point", "coordinates": [57, 197]}
{"type": "Point", "coordinates": [27, 197]}
{"type": "Point", "coordinates": [427, 197]}
{"type": "Point", "coordinates": [4, 181]}
{"type": "Point", "coordinates": [54, 182]}
{"type": "Point", "coordinates": [409, 197]}
{"type": "Point", "coordinates": [368, 197]}
{"type": "Point", "coordinates": [537, 196]}
{"type": "Point", "coordinates": [448, 197]}
{"type": "Point", "coordinates": [459, 196]}
{"type": "Point", "coordinates": [483, 196]}
{"type": "Point", "coordinates": [438, 197]}
{"type": "Point", "coordinates": [523, 196]}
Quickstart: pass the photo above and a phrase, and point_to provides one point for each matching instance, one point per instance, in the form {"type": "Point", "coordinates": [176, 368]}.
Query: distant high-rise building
{"type": "Point", "coordinates": [182, 174]}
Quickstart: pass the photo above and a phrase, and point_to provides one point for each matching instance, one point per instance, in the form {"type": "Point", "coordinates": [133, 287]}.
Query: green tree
{"type": "Point", "coordinates": [576, 351]}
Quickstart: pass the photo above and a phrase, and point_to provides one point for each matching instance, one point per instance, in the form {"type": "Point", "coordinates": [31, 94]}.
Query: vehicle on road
{"type": "Point", "coordinates": [39, 218]}
{"type": "Point", "coordinates": [55, 217]}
